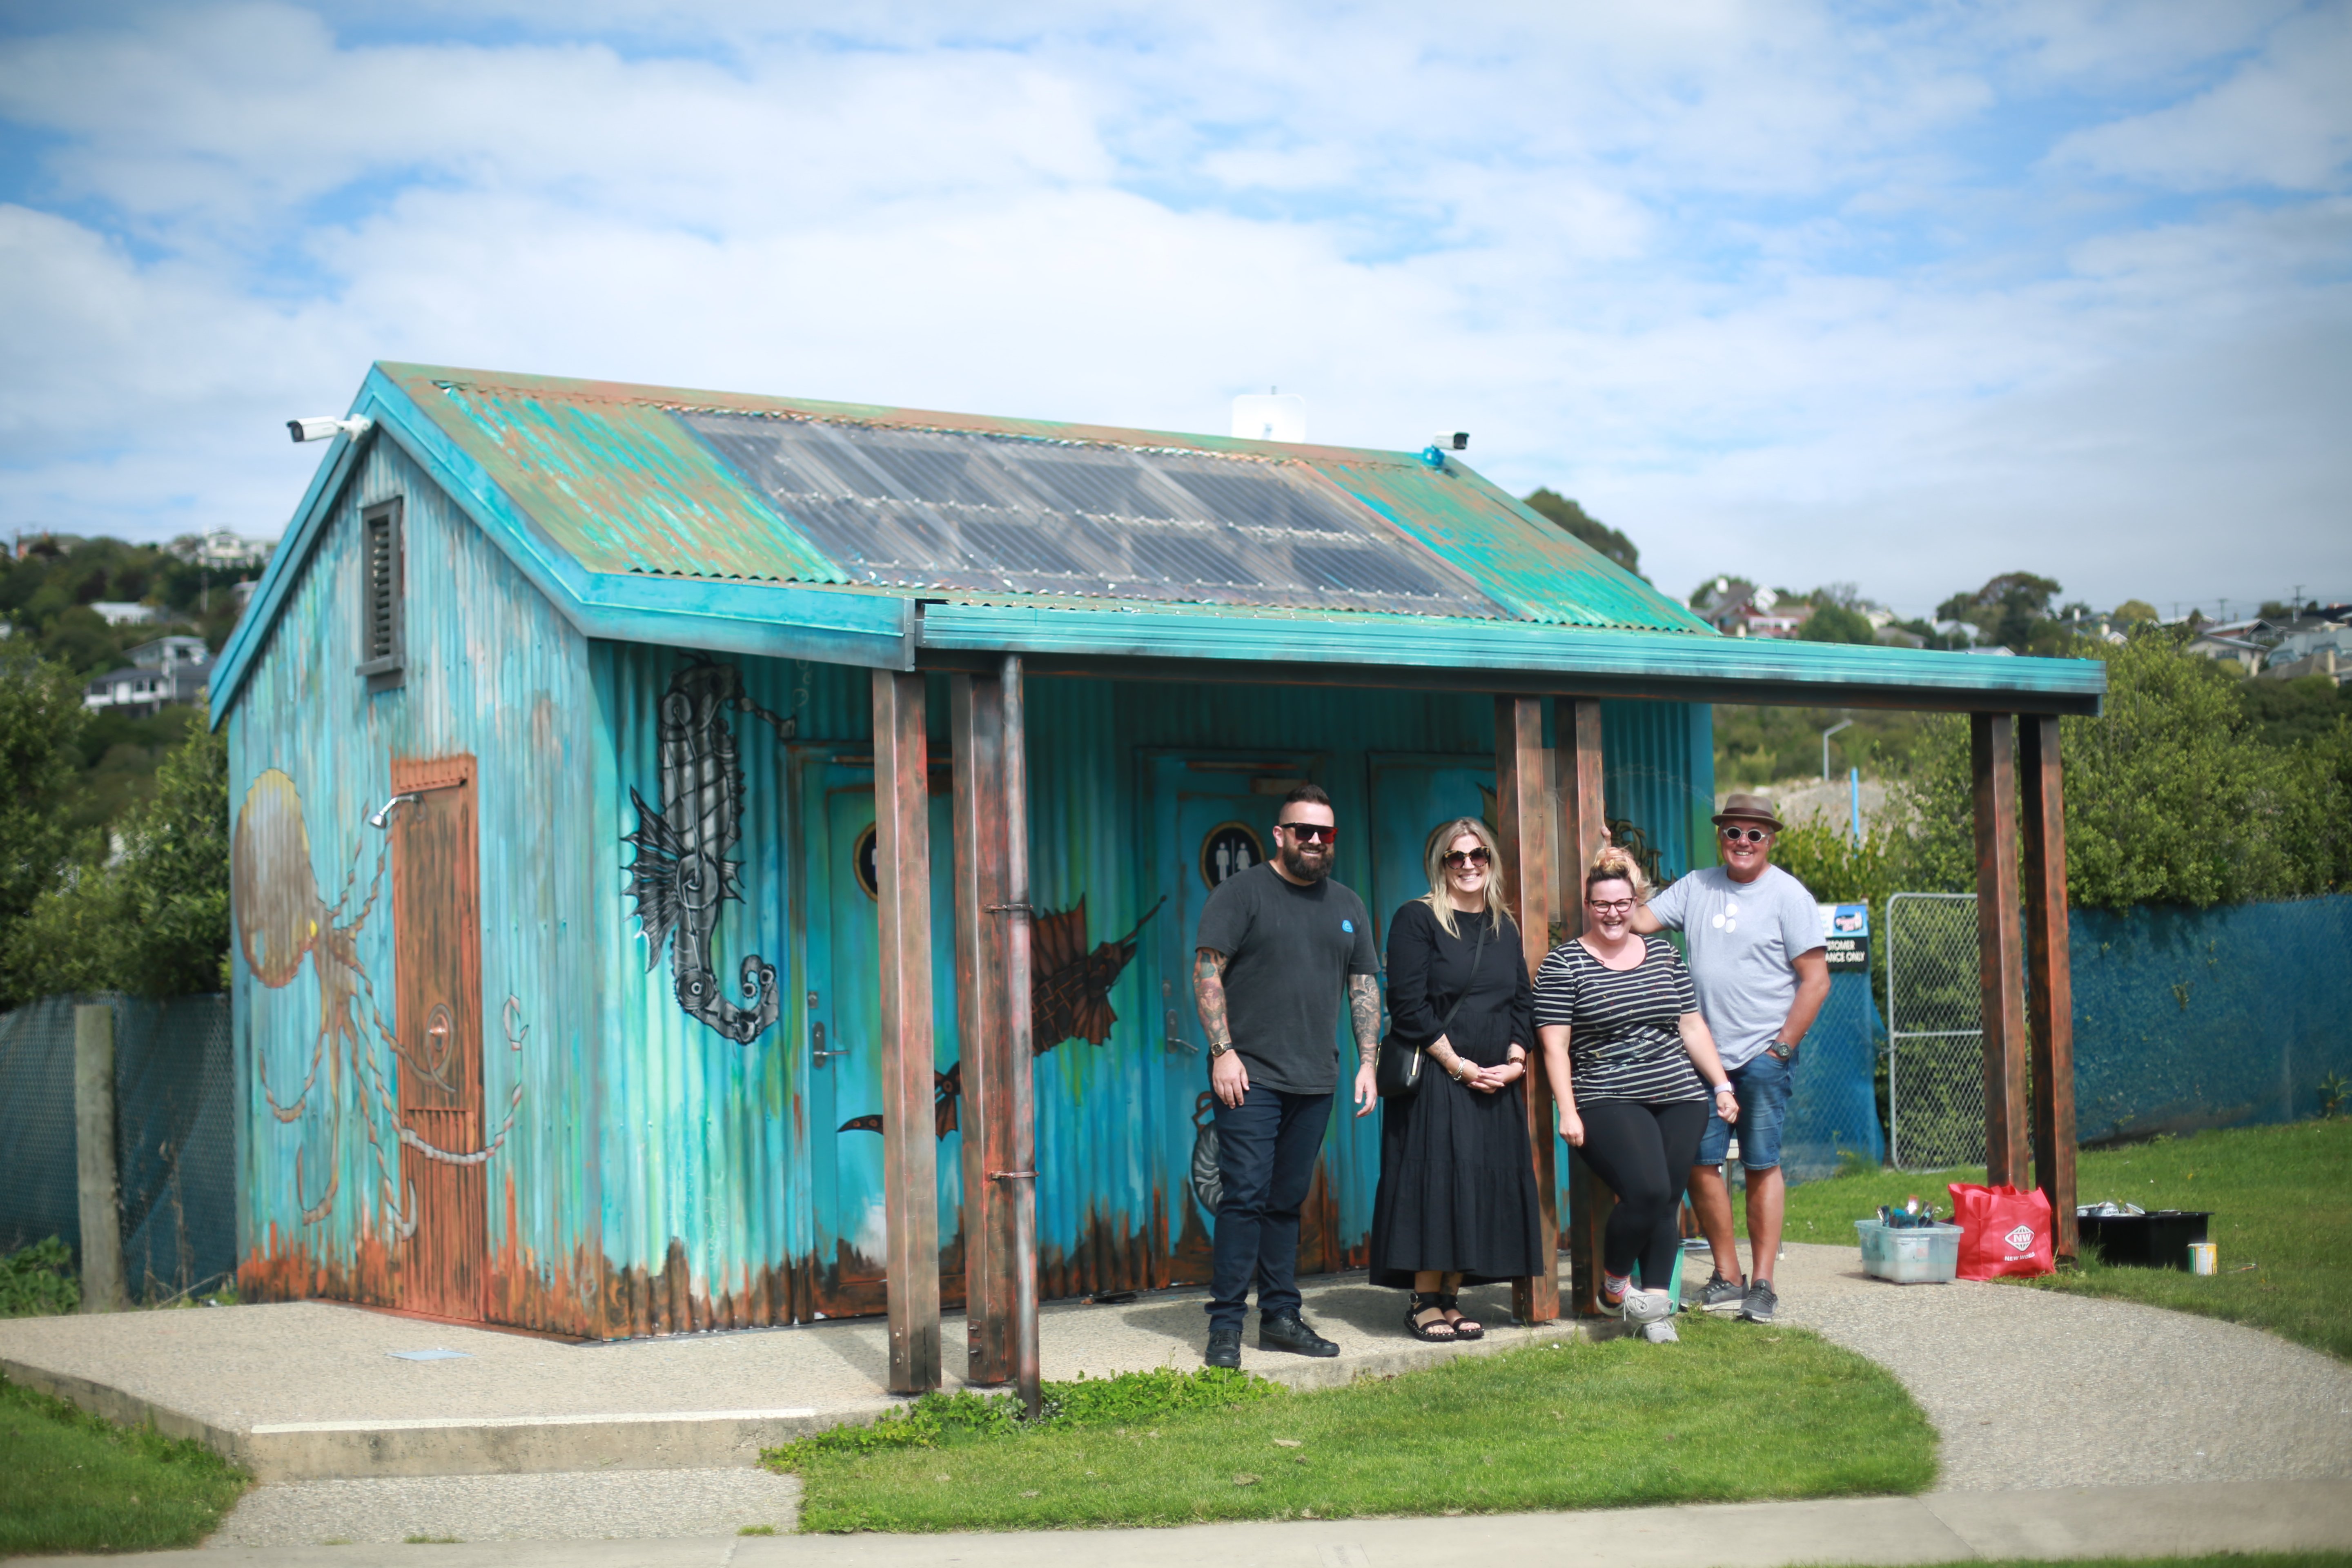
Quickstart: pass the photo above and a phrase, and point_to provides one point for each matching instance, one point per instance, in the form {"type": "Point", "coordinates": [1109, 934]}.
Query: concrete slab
{"type": "Point", "coordinates": [2057, 1523]}
{"type": "Point", "coordinates": [312, 1389]}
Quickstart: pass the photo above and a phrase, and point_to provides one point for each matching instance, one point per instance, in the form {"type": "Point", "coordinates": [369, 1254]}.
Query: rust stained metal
{"type": "Point", "coordinates": [623, 487]}
{"type": "Point", "coordinates": [618, 476]}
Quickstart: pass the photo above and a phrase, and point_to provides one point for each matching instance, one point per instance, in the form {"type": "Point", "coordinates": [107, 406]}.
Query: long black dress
{"type": "Point", "coordinates": [1457, 1188]}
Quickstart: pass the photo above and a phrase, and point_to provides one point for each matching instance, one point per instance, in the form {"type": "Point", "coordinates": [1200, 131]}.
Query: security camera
{"type": "Point", "coordinates": [323, 428]}
{"type": "Point", "coordinates": [1454, 440]}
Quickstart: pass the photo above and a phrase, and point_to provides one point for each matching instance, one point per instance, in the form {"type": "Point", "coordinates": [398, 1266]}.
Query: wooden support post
{"type": "Point", "coordinates": [902, 865]}
{"type": "Point", "coordinates": [2050, 983]}
{"type": "Point", "coordinates": [1019, 1175]}
{"type": "Point", "coordinates": [2000, 945]}
{"type": "Point", "coordinates": [1576, 721]}
{"type": "Point", "coordinates": [94, 1159]}
{"type": "Point", "coordinates": [1524, 811]}
{"type": "Point", "coordinates": [977, 713]}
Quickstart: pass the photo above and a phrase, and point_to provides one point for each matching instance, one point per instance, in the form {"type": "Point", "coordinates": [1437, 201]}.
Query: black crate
{"type": "Point", "coordinates": [2158, 1240]}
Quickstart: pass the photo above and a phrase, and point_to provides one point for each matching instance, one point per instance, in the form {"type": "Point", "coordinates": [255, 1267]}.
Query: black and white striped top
{"type": "Point", "coordinates": [1623, 1043]}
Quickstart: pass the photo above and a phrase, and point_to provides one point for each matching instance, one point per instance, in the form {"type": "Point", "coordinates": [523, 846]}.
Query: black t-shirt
{"type": "Point", "coordinates": [1290, 950]}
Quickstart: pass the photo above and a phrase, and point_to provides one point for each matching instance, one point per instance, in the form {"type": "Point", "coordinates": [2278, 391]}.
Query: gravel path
{"type": "Point", "coordinates": [2032, 1388]}
{"type": "Point", "coordinates": [612, 1505]}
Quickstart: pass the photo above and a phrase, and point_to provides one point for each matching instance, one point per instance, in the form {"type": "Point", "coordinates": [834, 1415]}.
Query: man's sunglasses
{"type": "Point", "coordinates": [1457, 859]}
{"type": "Point", "coordinates": [1753, 835]}
{"type": "Point", "coordinates": [1313, 832]}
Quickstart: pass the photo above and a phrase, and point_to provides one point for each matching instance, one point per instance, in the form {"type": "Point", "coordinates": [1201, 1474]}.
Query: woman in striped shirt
{"type": "Point", "coordinates": [1631, 1064]}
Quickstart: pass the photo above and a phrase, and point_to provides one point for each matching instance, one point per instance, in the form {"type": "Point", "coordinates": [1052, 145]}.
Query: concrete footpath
{"type": "Point", "coordinates": [1942, 1527]}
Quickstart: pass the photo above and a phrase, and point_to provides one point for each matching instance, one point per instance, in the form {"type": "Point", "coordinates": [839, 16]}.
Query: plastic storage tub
{"type": "Point", "coordinates": [1911, 1255]}
{"type": "Point", "coordinates": [2158, 1240]}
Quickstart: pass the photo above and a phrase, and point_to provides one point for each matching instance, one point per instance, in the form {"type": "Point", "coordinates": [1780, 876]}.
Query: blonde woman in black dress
{"type": "Point", "coordinates": [1457, 1204]}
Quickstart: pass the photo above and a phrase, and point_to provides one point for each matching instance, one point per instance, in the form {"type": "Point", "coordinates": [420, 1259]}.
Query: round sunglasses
{"type": "Point", "coordinates": [1752, 835]}
{"type": "Point", "coordinates": [1457, 859]}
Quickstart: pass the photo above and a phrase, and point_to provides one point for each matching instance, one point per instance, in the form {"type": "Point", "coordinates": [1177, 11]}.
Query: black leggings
{"type": "Point", "coordinates": [1645, 1154]}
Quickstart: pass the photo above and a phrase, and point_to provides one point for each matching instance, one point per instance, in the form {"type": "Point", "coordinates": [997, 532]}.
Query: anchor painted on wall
{"type": "Point", "coordinates": [683, 874]}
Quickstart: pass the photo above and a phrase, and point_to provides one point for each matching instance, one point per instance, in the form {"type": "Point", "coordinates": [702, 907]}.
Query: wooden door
{"type": "Point", "coordinates": [437, 1020]}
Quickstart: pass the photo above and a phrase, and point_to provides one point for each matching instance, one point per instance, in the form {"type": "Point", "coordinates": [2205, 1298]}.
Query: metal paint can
{"type": "Point", "coordinates": [2204, 1257]}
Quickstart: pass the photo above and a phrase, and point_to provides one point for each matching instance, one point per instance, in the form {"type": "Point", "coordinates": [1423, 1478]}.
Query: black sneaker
{"type": "Point", "coordinates": [1224, 1348]}
{"type": "Point", "coordinates": [1722, 1295]}
{"type": "Point", "coordinates": [1291, 1333]}
{"type": "Point", "coordinates": [1757, 1307]}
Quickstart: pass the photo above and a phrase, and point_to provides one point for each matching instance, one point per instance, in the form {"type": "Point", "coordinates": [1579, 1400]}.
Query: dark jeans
{"type": "Point", "coordinates": [1266, 1158]}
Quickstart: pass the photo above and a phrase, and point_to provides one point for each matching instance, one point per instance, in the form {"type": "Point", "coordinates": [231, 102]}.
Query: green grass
{"type": "Point", "coordinates": [2278, 1199]}
{"type": "Point", "coordinates": [1558, 1425]}
{"type": "Point", "coordinates": [71, 1482]}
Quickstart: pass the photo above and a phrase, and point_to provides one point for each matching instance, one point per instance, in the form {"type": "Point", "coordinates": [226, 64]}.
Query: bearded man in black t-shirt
{"type": "Point", "coordinates": [1280, 944]}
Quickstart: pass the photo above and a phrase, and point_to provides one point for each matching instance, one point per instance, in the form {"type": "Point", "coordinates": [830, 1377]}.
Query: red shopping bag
{"type": "Point", "coordinates": [2003, 1230]}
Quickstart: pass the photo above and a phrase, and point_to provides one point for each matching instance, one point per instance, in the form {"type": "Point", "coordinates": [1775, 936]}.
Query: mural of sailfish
{"type": "Point", "coordinates": [683, 874]}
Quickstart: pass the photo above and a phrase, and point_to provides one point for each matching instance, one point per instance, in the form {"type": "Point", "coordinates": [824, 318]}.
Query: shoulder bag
{"type": "Point", "coordinates": [1397, 1074]}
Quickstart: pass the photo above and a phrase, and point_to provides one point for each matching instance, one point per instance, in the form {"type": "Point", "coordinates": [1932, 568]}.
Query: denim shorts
{"type": "Point", "coordinates": [1762, 1088]}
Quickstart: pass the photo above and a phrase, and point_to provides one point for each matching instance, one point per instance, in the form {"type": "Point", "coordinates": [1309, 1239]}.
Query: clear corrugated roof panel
{"type": "Point", "coordinates": [930, 508]}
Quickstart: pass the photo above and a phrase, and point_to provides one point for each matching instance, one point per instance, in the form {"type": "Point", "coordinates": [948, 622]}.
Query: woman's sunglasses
{"type": "Point", "coordinates": [1752, 835]}
{"type": "Point", "coordinates": [1457, 859]}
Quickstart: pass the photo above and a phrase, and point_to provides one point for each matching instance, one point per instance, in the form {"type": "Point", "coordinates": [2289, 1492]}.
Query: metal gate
{"type": "Point", "coordinates": [1935, 1034]}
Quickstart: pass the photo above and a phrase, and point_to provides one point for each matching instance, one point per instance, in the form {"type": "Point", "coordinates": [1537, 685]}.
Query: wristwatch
{"type": "Point", "coordinates": [1216, 1050]}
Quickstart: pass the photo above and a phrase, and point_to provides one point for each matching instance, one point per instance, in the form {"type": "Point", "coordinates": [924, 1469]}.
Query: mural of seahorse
{"type": "Point", "coordinates": [682, 873]}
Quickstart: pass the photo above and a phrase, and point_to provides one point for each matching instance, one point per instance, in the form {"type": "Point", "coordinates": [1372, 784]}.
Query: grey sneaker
{"type": "Point", "coordinates": [1645, 1307]}
{"type": "Point", "coordinates": [1722, 1295]}
{"type": "Point", "coordinates": [1661, 1332]}
{"type": "Point", "coordinates": [1757, 1308]}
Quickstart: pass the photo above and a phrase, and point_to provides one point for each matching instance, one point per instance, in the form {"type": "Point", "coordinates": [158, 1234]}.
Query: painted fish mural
{"type": "Point", "coordinates": [682, 873]}
{"type": "Point", "coordinates": [947, 1094]}
{"type": "Point", "coordinates": [1069, 999]}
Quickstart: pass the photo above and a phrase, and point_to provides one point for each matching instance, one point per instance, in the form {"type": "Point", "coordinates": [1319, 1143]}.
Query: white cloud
{"type": "Point", "coordinates": [1745, 280]}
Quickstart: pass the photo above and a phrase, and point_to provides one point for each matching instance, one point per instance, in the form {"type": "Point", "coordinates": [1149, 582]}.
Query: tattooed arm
{"type": "Point", "coordinates": [1364, 1015]}
{"type": "Point", "coordinates": [1227, 1076]}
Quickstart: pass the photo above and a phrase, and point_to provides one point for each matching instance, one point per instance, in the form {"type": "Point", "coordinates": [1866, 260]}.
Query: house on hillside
{"type": "Point", "coordinates": [2246, 654]}
{"type": "Point", "coordinates": [1757, 613]}
{"type": "Point", "coordinates": [168, 671]}
{"type": "Point", "coordinates": [705, 860]}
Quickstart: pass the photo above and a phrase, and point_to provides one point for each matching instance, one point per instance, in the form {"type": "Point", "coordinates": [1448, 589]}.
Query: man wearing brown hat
{"type": "Point", "coordinates": [1756, 953]}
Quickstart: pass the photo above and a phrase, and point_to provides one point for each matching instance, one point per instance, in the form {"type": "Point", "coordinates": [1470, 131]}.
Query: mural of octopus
{"type": "Point", "coordinates": [281, 918]}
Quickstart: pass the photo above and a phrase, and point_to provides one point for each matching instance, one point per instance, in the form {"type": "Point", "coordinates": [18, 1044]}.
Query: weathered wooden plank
{"type": "Point", "coordinates": [1525, 813]}
{"type": "Point", "coordinates": [1019, 1175]}
{"type": "Point", "coordinates": [2000, 945]}
{"type": "Point", "coordinates": [1583, 828]}
{"type": "Point", "coordinates": [2050, 982]}
{"type": "Point", "coordinates": [902, 865]}
{"type": "Point", "coordinates": [977, 714]}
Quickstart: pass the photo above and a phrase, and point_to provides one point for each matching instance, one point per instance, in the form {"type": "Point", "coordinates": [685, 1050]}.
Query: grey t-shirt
{"type": "Point", "coordinates": [1744, 939]}
{"type": "Point", "coordinates": [1290, 951]}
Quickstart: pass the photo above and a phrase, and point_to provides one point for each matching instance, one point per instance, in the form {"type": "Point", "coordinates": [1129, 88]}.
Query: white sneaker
{"type": "Point", "coordinates": [1661, 1332]}
{"type": "Point", "coordinates": [1647, 1307]}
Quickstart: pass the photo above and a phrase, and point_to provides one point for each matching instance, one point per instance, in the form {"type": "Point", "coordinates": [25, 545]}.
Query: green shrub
{"type": "Point", "coordinates": [38, 1281]}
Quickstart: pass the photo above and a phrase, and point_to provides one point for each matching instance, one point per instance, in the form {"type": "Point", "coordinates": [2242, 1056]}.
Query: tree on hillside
{"type": "Point", "coordinates": [41, 718]}
{"type": "Point", "coordinates": [1836, 623]}
{"type": "Point", "coordinates": [1569, 515]}
{"type": "Point", "coordinates": [2010, 609]}
{"type": "Point", "coordinates": [2133, 611]}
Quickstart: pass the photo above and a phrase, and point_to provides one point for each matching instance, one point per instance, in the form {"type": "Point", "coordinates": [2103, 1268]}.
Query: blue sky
{"type": "Point", "coordinates": [1900, 295]}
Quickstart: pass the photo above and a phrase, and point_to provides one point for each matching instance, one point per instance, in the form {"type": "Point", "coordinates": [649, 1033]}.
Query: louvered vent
{"type": "Point", "coordinates": [379, 626]}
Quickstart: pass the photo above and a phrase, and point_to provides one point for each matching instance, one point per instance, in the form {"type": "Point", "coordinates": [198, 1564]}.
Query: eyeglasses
{"type": "Point", "coordinates": [1612, 906]}
{"type": "Point", "coordinates": [1457, 859]}
{"type": "Point", "coordinates": [1312, 832]}
{"type": "Point", "coordinates": [1753, 835]}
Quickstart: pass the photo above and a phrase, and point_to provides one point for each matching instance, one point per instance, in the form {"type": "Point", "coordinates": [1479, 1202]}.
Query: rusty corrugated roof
{"type": "Point", "coordinates": [671, 482]}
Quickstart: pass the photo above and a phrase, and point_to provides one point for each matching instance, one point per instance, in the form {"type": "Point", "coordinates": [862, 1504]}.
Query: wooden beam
{"type": "Point", "coordinates": [1576, 721]}
{"type": "Point", "coordinates": [1524, 810]}
{"type": "Point", "coordinates": [976, 706]}
{"type": "Point", "coordinates": [2000, 945]}
{"type": "Point", "coordinates": [1019, 1176]}
{"type": "Point", "coordinates": [2050, 982]}
{"type": "Point", "coordinates": [902, 866]}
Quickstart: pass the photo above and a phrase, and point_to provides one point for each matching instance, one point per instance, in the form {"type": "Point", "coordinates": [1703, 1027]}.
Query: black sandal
{"type": "Point", "coordinates": [1464, 1328]}
{"type": "Point", "coordinates": [1440, 1333]}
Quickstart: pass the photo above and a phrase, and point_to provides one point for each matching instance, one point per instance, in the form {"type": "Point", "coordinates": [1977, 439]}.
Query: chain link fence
{"type": "Point", "coordinates": [175, 1136]}
{"type": "Point", "coordinates": [1935, 1032]}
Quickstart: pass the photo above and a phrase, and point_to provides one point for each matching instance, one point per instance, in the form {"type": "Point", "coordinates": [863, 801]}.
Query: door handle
{"type": "Point", "coordinates": [817, 1052]}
